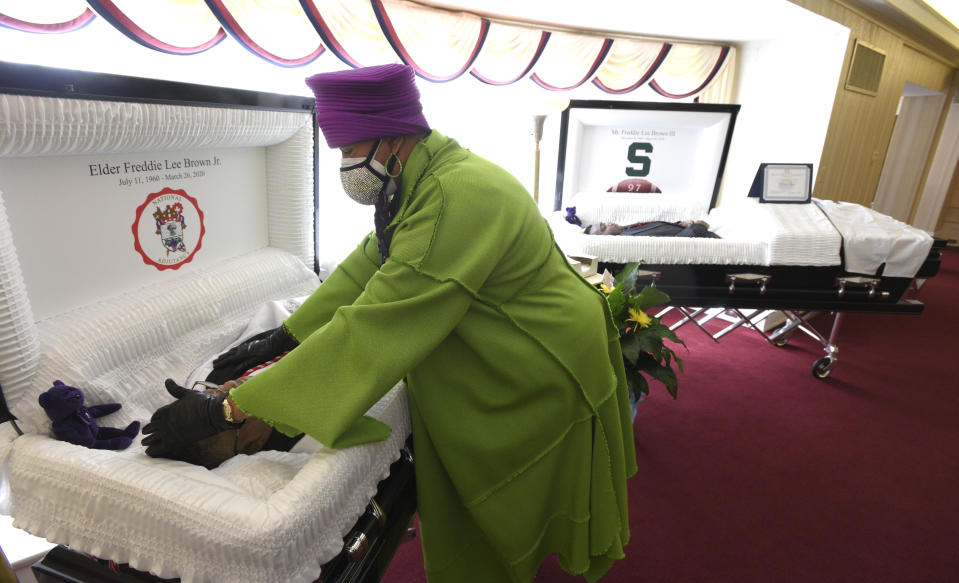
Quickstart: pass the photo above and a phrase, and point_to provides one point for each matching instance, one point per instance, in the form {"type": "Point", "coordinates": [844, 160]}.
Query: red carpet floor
{"type": "Point", "coordinates": [760, 472]}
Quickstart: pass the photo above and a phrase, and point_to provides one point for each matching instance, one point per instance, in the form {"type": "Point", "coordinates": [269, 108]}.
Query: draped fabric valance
{"type": "Point", "coordinates": [440, 45]}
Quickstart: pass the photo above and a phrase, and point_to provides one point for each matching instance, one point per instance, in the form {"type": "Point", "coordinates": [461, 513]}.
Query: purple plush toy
{"type": "Point", "coordinates": [72, 422]}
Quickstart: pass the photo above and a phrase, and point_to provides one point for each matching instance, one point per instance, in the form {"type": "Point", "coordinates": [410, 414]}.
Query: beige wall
{"type": "Point", "coordinates": [861, 125]}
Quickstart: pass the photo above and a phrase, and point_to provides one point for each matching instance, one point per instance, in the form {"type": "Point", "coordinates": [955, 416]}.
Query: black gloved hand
{"type": "Point", "coordinates": [193, 416]}
{"type": "Point", "coordinates": [252, 352]}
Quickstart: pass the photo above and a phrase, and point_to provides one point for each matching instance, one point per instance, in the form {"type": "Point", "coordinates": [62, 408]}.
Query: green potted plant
{"type": "Point", "coordinates": [640, 334]}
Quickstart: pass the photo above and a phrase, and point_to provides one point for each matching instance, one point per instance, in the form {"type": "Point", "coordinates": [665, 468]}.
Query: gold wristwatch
{"type": "Point", "coordinates": [228, 411]}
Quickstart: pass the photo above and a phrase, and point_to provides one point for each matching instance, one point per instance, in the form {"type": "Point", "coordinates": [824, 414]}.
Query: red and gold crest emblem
{"type": "Point", "coordinates": [172, 233]}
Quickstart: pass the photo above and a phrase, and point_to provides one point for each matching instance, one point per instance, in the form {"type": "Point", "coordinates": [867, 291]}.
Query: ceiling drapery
{"type": "Point", "coordinates": [688, 69]}
{"type": "Point", "coordinates": [509, 54]}
{"type": "Point", "coordinates": [275, 30]}
{"type": "Point", "coordinates": [569, 60]}
{"type": "Point", "coordinates": [440, 45]}
{"type": "Point", "coordinates": [56, 16]}
{"type": "Point", "coordinates": [158, 25]}
{"type": "Point", "coordinates": [630, 64]}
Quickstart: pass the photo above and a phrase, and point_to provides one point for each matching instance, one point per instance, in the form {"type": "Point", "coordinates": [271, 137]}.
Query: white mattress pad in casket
{"type": "Point", "coordinates": [271, 516]}
{"type": "Point", "coordinates": [750, 234]}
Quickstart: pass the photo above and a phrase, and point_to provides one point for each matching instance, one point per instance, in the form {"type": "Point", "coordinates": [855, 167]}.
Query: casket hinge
{"type": "Point", "coordinates": [762, 280]}
{"type": "Point", "coordinates": [359, 542]}
{"type": "Point", "coordinates": [357, 546]}
{"type": "Point", "coordinates": [869, 283]}
{"type": "Point", "coordinates": [377, 512]}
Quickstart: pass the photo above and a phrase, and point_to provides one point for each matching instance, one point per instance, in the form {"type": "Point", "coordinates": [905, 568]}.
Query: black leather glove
{"type": "Point", "coordinates": [252, 352]}
{"type": "Point", "coordinates": [192, 417]}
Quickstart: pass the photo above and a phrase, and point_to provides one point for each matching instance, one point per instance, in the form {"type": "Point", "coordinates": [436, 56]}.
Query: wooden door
{"type": "Point", "coordinates": [909, 149]}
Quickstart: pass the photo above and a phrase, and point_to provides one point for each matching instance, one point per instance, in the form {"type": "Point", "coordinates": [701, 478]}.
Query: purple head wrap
{"type": "Point", "coordinates": [371, 102]}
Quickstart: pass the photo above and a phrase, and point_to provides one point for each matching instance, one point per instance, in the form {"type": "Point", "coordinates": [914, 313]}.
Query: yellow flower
{"type": "Point", "coordinates": [640, 317]}
{"type": "Point", "coordinates": [606, 289]}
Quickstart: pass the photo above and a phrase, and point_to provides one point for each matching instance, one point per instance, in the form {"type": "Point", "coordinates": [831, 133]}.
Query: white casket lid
{"type": "Point", "coordinates": [679, 149]}
{"type": "Point", "coordinates": [60, 124]}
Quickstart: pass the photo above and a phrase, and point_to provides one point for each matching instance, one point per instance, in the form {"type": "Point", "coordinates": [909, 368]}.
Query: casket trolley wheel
{"type": "Point", "coordinates": [823, 367]}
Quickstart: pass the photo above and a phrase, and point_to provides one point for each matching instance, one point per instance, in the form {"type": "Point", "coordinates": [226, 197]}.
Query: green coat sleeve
{"type": "Point", "coordinates": [325, 385]}
{"type": "Point", "coordinates": [341, 288]}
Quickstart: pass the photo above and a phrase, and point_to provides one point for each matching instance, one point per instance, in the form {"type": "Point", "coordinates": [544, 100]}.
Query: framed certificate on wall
{"type": "Point", "coordinates": [783, 183]}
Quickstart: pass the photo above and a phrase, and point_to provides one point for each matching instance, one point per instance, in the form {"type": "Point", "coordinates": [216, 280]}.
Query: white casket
{"type": "Point", "coordinates": [143, 225]}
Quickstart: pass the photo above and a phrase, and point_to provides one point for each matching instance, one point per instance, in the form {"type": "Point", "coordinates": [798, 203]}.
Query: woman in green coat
{"type": "Point", "coordinates": [521, 419]}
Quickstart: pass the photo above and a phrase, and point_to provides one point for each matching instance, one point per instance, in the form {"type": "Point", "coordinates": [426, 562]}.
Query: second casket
{"type": "Point", "coordinates": [630, 163]}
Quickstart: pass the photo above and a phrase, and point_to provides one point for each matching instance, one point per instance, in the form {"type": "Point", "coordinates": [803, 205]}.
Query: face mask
{"type": "Point", "coordinates": [364, 178]}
